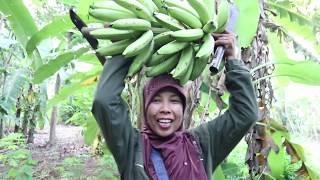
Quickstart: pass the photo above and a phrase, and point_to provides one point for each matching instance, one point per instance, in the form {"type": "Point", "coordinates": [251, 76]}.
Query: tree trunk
{"type": "Point", "coordinates": [54, 114]}
{"type": "Point", "coordinates": [193, 98]}
{"type": "Point", "coordinates": [32, 124]}
{"type": "Point", "coordinates": [258, 139]}
{"type": "Point", "coordinates": [18, 114]}
{"type": "Point", "coordinates": [1, 128]}
{"type": "Point", "coordinates": [27, 111]}
{"type": "Point", "coordinates": [25, 120]}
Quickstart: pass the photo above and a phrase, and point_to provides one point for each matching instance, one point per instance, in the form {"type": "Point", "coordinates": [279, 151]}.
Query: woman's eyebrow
{"type": "Point", "coordinates": [156, 96]}
{"type": "Point", "coordinates": [175, 95]}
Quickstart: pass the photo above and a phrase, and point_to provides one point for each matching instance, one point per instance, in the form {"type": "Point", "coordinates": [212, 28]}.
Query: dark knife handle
{"type": "Point", "coordinates": [91, 40]}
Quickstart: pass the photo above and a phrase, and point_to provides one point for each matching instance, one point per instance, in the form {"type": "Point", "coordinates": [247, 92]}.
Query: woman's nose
{"type": "Point", "coordinates": [165, 107]}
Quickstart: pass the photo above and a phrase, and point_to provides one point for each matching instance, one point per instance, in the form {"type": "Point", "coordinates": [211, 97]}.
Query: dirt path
{"type": "Point", "coordinates": [69, 158]}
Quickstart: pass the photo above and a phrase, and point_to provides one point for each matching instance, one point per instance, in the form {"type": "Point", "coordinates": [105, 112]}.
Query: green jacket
{"type": "Point", "coordinates": [216, 137]}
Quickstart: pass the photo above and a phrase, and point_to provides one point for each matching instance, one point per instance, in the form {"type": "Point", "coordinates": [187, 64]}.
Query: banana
{"type": "Point", "coordinates": [207, 46]}
{"type": "Point", "coordinates": [181, 4]}
{"type": "Point", "coordinates": [159, 4]}
{"type": "Point", "coordinates": [201, 9]}
{"type": "Point", "coordinates": [136, 7]}
{"type": "Point", "coordinates": [185, 78]}
{"type": "Point", "coordinates": [184, 62]}
{"type": "Point", "coordinates": [196, 47]}
{"type": "Point", "coordinates": [157, 59]}
{"type": "Point", "coordinates": [211, 26]}
{"type": "Point", "coordinates": [132, 24]}
{"type": "Point", "coordinates": [114, 34]}
{"type": "Point", "coordinates": [223, 16]}
{"type": "Point", "coordinates": [187, 35]}
{"type": "Point", "coordinates": [164, 67]}
{"type": "Point", "coordinates": [114, 48]}
{"type": "Point", "coordinates": [110, 5]}
{"type": "Point", "coordinates": [184, 17]}
{"type": "Point", "coordinates": [155, 23]}
{"type": "Point", "coordinates": [138, 45]}
{"type": "Point", "coordinates": [109, 15]}
{"type": "Point", "coordinates": [211, 4]}
{"type": "Point", "coordinates": [172, 47]}
{"type": "Point", "coordinates": [157, 30]}
{"type": "Point", "coordinates": [198, 67]}
{"type": "Point", "coordinates": [162, 39]}
{"type": "Point", "coordinates": [152, 8]}
{"type": "Point", "coordinates": [149, 5]}
{"type": "Point", "coordinates": [141, 60]}
{"type": "Point", "coordinates": [167, 21]}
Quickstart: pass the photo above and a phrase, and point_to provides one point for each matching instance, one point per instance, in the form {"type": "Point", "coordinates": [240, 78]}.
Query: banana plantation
{"type": "Point", "coordinates": [52, 53]}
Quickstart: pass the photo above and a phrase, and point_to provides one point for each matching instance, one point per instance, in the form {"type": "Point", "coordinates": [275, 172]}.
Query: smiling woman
{"type": "Point", "coordinates": [165, 112]}
{"type": "Point", "coordinates": [163, 149]}
{"type": "Point", "coordinates": [164, 105]}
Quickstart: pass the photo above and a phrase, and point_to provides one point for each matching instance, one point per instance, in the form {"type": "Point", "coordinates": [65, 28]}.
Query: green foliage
{"type": "Point", "coordinates": [78, 83]}
{"type": "Point", "coordinates": [283, 162]}
{"type": "Point", "coordinates": [12, 90]}
{"type": "Point", "coordinates": [20, 19]}
{"type": "Point", "coordinates": [234, 166]}
{"type": "Point", "coordinates": [58, 26]}
{"type": "Point", "coordinates": [108, 167]}
{"type": "Point", "coordinates": [89, 58]}
{"type": "Point", "coordinates": [277, 160]}
{"type": "Point", "coordinates": [91, 130]}
{"type": "Point", "coordinates": [76, 111]}
{"type": "Point", "coordinates": [16, 157]}
{"type": "Point", "coordinates": [218, 174]}
{"type": "Point", "coordinates": [247, 22]}
{"type": "Point", "coordinates": [291, 169]}
{"type": "Point", "coordinates": [283, 8]}
{"type": "Point", "coordinates": [69, 2]}
{"type": "Point", "coordinates": [83, 6]}
{"type": "Point", "coordinates": [297, 25]}
{"type": "Point", "coordinates": [54, 65]}
{"type": "Point", "coordinates": [72, 167]}
{"type": "Point", "coordinates": [42, 101]}
{"type": "Point", "coordinates": [304, 72]}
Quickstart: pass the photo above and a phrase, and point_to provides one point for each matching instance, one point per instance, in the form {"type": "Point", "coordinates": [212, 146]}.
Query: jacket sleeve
{"type": "Point", "coordinates": [111, 111]}
{"type": "Point", "coordinates": [219, 136]}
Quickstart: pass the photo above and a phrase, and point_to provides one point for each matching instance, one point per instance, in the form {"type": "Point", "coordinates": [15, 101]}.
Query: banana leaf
{"type": "Point", "coordinates": [247, 23]}
{"type": "Point", "coordinates": [54, 65]}
{"type": "Point", "coordinates": [12, 90]}
{"type": "Point", "coordinates": [20, 19]}
{"type": "Point", "coordinates": [300, 71]}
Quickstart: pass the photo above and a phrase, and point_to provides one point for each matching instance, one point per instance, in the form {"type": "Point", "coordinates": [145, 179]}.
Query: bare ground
{"type": "Point", "coordinates": [68, 158]}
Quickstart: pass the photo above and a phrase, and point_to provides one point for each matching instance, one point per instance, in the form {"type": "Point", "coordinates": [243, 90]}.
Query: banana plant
{"type": "Point", "coordinates": [294, 28]}
{"type": "Point", "coordinates": [23, 26]}
{"type": "Point", "coordinates": [262, 141]}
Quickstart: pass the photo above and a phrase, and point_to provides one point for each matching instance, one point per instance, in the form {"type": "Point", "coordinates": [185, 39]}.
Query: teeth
{"type": "Point", "coordinates": [165, 120]}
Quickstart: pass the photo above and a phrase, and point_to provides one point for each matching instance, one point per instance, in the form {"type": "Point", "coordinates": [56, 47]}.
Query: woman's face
{"type": "Point", "coordinates": [165, 112]}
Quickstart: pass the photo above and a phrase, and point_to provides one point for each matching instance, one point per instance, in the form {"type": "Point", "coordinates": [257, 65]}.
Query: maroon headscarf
{"type": "Point", "coordinates": [179, 151]}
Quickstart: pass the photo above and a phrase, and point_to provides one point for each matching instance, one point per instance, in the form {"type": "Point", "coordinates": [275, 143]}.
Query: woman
{"type": "Point", "coordinates": [163, 149]}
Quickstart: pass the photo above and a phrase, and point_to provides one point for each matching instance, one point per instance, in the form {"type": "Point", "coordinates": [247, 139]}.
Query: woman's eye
{"type": "Point", "coordinates": [176, 100]}
{"type": "Point", "coordinates": [156, 100]}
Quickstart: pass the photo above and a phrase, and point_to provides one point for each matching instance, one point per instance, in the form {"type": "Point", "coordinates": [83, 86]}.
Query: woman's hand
{"type": "Point", "coordinates": [228, 40]}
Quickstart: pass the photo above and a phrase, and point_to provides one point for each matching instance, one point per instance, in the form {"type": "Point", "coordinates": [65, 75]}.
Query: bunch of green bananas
{"type": "Point", "coordinates": [165, 36]}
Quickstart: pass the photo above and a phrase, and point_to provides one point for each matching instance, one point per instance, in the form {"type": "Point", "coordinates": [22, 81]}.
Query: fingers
{"type": "Point", "coordinates": [228, 41]}
{"type": "Point", "coordinates": [225, 41]}
{"type": "Point", "coordinates": [224, 33]}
